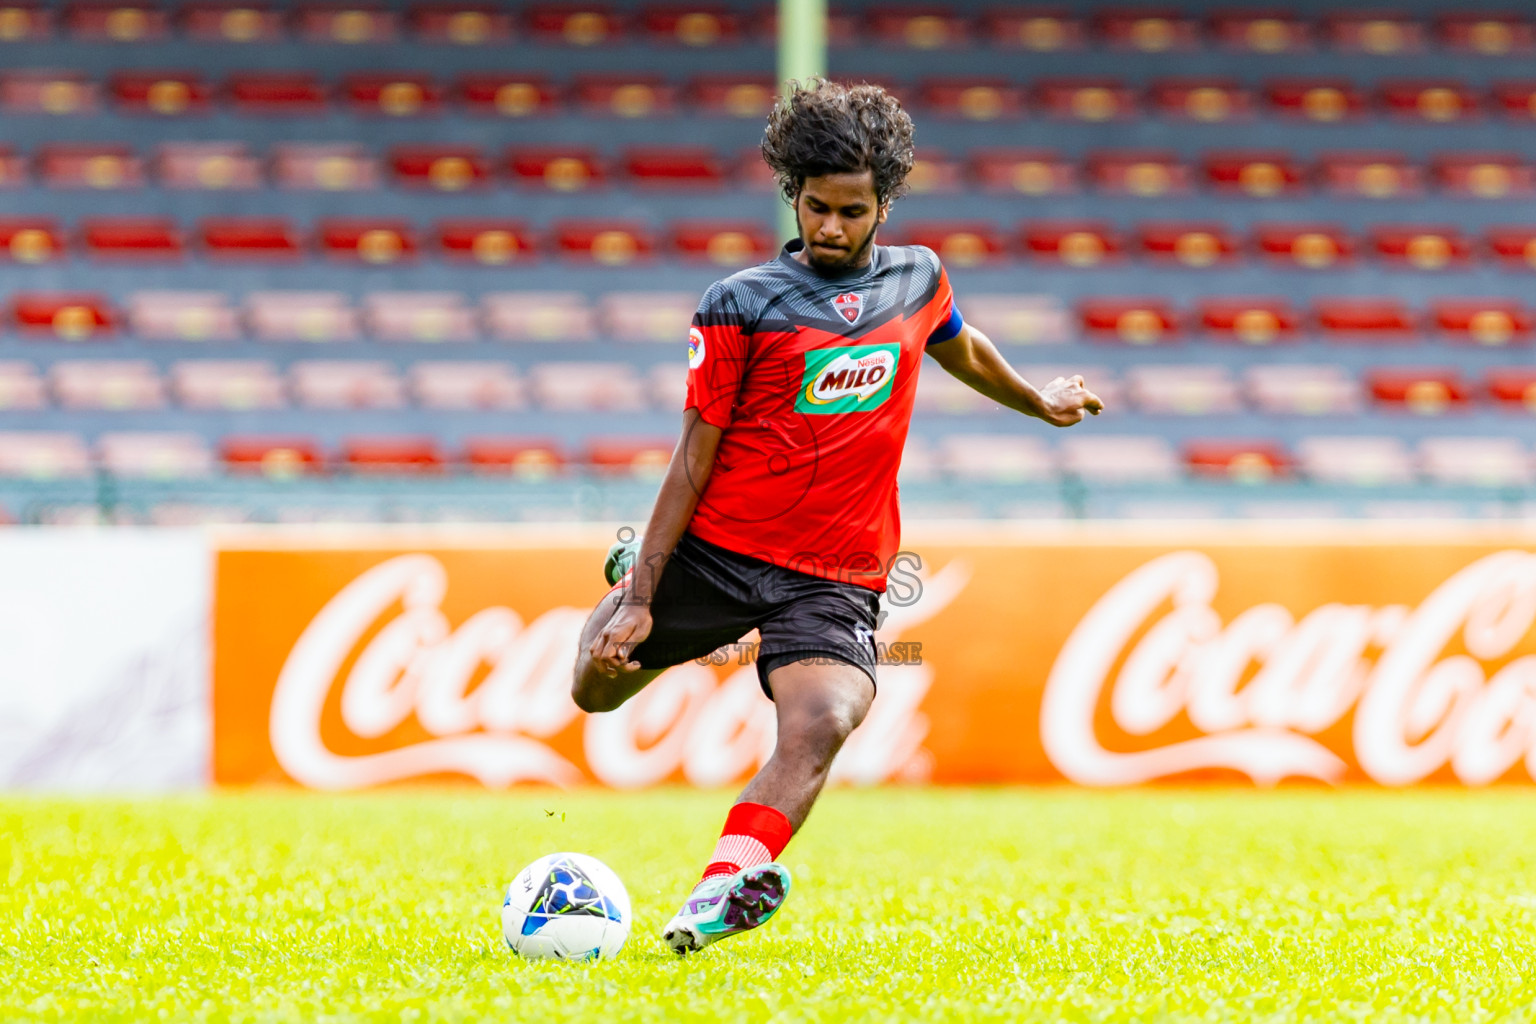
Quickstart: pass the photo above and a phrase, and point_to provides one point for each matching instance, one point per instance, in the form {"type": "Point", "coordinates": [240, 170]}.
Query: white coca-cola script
{"type": "Point", "coordinates": [1260, 687]}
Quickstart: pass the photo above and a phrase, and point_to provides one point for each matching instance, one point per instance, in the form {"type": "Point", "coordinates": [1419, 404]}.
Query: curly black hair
{"type": "Point", "coordinates": [821, 127]}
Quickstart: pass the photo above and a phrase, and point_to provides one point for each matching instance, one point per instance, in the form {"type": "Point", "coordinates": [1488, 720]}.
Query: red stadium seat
{"type": "Point", "coordinates": [1182, 390]}
{"type": "Point", "coordinates": [1311, 246]}
{"type": "Point", "coordinates": [346, 384]}
{"type": "Point", "coordinates": [1194, 244]}
{"type": "Point", "coordinates": [268, 93]}
{"type": "Point", "coordinates": [24, 22]}
{"type": "Point", "coordinates": [432, 317]}
{"type": "Point", "coordinates": [751, 173]}
{"type": "Point", "coordinates": [1485, 175]}
{"type": "Point", "coordinates": [1315, 99]}
{"type": "Point", "coordinates": [920, 26]}
{"type": "Point", "coordinates": [1490, 322]}
{"type": "Point", "coordinates": [20, 387]}
{"type": "Point", "coordinates": [1258, 173]}
{"type": "Point", "coordinates": [154, 455]}
{"type": "Point", "coordinates": [1259, 31]}
{"type": "Point", "coordinates": [133, 239]}
{"type": "Point", "coordinates": [165, 93]}
{"type": "Point", "coordinates": [30, 240]}
{"type": "Point", "coordinates": [1358, 461]}
{"type": "Point", "coordinates": [1422, 247]}
{"type": "Point", "coordinates": [518, 456]}
{"type": "Point", "coordinates": [698, 24]}
{"type": "Point", "coordinates": [1138, 172]}
{"type": "Point", "coordinates": [1369, 174]}
{"type": "Point", "coordinates": [460, 24]}
{"type": "Point", "coordinates": [1427, 392]}
{"type": "Point", "coordinates": [1076, 243]}
{"type": "Point", "coordinates": [392, 95]}
{"type": "Point", "coordinates": [958, 243]}
{"type": "Point", "coordinates": [466, 386]}
{"type": "Point", "coordinates": [224, 23]}
{"type": "Point", "coordinates": [612, 243]}
{"type": "Point", "coordinates": [185, 316]}
{"type": "Point", "coordinates": [1032, 172]}
{"type": "Point", "coordinates": [1490, 33]}
{"type": "Point", "coordinates": [1134, 321]}
{"type": "Point", "coordinates": [491, 242]}
{"type": "Point", "coordinates": [1514, 246]}
{"type": "Point", "coordinates": [1249, 321]}
{"type": "Point", "coordinates": [116, 22]}
{"type": "Point", "coordinates": [732, 95]}
{"type": "Point", "coordinates": [1085, 99]}
{"type": "Point", "coordinates": [1037, 28]}
{"type": "Point", "coordinates": [507, 95]}
{"type": "Point", "coordinates": [587, 387]}
{"type": "Point", "coordinates": [47, 92]}
{"type": "Point", "coordinates": [1374, 31]}
{"type": "Point", "coordinates": [207, 165]}
{"type": "Point", "coordinates": [1516, 99]}
{"type": "Point", "coordinates": [1148, 29]}
{"type": "Point", "coordinates": [278, 457]}
{"type": "Point", "coordinates": [43, 455]}
{"type": "Point", "coordinates": [1293, 389]}
{"type": "Point", "coordinates": [585, 24]}
{"type": "Point", "coordinates": [309, 317]}
{"type": "Point", "coordinates": [974, 99]}
{"type": "Point", "coordinates": [627, 96]}
{"type": "Point", "coordinates": [67, 316]}
{"type": "Point", "coordinates": [109, 384]}
{"type": "Point", "coordinates": [444, 168]}
{"type": "Point", "coordinates": [376, 242]}
{"type": "Point", "coordinates": [227, 384]}
{"type": "Point", "coordinates": [539, 316]}
{"type": "Point", "coordinates": [1201, 99]}
{"type": "Point", "coordinates": [1378, 320]}
{"type": "Point", "coordinates": [1245, 462]}
{"type": "Point", "coordinates": [639, 456]}
{"type": "Point", "coordinates": [391, 454]}
{"type": "Point", "coordinates": [1513, 387]}
{"type": "Point", "coordinates": [13, 169]}
{"type": "Point", "coordinates": [345, 23]}
{"type": "Point", "coordinates": [326, 166]}
{"type": "Point", "coordinates": [561, 169]}
{"type": "Point", "coordinates": [1429, 100]}
{"type": "Point", "coordinates": [647, 316]}
{"type": "Point", "coordinates": [844, 27]}
{"type": "Point", "coordinates": [92, 166]}
{"type": "Point", "coordinates": [686, 167]}
{"type": "Point", "coordinates": [934, 171]}
{"type": "Point", "coordinates": [725, 243]}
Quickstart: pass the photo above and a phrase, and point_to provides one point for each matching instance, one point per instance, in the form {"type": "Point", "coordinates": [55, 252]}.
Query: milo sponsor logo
{"type": "Point", "coordinates": [850, 379]}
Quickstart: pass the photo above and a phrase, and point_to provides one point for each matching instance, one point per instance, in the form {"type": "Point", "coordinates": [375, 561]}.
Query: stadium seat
{"type": "Point", "coordinates": [444, 168]}
{"type": "Point", "coordinates": [47, 92]}
{"type": "Point", "coordinates": [1134, 321]}
{"type": "Point", "coordinates": [919, 26]}
{"type": "Point", "coordinates": [276, 93]}
{"type": "Point", "coordinates": [1138, 172]}
{"type": "Point", "coordinates": [118, 384]}
{"type": "Point", "coordinates": [730, 243]}
{"type": "Point", "coordinates": [116, 22]}
{"type": "Point", "coordinates": [392, 95]}
{"type": "Point", "coordinates": [1369, 174]}
{"type": "Point", "coordinates": [13, 169]}
{"type": "Point", "coordinates": [346, 384]}
{"type": "Point", "coordinates": [201, 316]}
{"type": "Point", "coordinates": [279, 457]}
{"type": "Point", "coordinates": [1113, 459]}
{"type": "Point", "coordinates": [1249, 321]}
{"type": "Point", "coordinates": [1247, 462]}
{"type": "Point", "coordinates": [1019, 319]}
{"type": "Point", "coordinates": [1037, 28]}
{"type": "Point", "coordinates": [1182, 390]}
{"type": "Point", "coordinates": [465, 386]}
{"type": "Point", "coordinates": [324, 166]}
{"type": "Point", "coordinates": [1200, 99]}
{"type": "Point", "coordinates": [67, 316]}
{"type": "Point", "coordinates": [1357, 461]}
{"type": "Point", "coordinates": [1428, 99]}
{"type": "Point", "coordinates": [1315, 99]}
{"type": "Point", "coordinates": [1513, 387]}
{"type": "Point", "coordinates": [1258, 173]}
{"type": "Point", "coordinates": [683, 167]}
{"type": "Point", "coordinates": [731, 95]}
{"type": "Point", "coordinates": [958, 243]}
{"type": "Point", "coordinates": [696, 24]}
{"type": "Point", "coordinates": [391, 454]}
{"type": "Point", "coordinates": [166, 94]}
{"type": "Point", "coordinates": [207, 165]}
{"type": "Point", "coordinates": [1489, 33]}
{"type": "Point", "coordinates": [647, 316]}
{"type": "Point", "coordinates": [1147, 29]}
{"type": "Point", "coordinates": [248, 239]}
{"type": "Point", "coordinates": [1422, 247]}
{"type": "Point", "coordinates": [491, 242]}
{"type": "Point", "coordinates": [460, 24]}
{"type": "Point", "coordinates": [539, 316]}
{"type": "Point", "coordinates": [307, 316]}
{"type": "Point", "coordinates": [233, 384]}
{"type": "Point", "coordinates": [222, 23]}
{"type": "Point", "coordinates": [624, 95]}
{"type": "Point", "coordinates": [1031, 172]}
{"type": "Point", "coordinates": [1514, 246]}
{"type": "Point", "coordinates": [563, 169]}
{"type": "Point", "coordinates": [419, 316]}
{"type": "Point", "coordinates": [751, 173]}
{"type": "Point", "coordinates": [20, 386]}
{"type": "Point", "coordinates": [946, 395]}
{"type": "Point", "coordinates": [1310, 246]}
{"type": "Point", "coordinates": [584, 24]}
{"type": "Point", "coordinates": [1427, 392]}
{"type": "Point", "coordinates": [154, 455]}
{"type": "Point", "coordinates": [635, 456]}
{"type": "Point", "coordinates": [667, 386]}
{"type": "Point", "coordinates": [1516, 99]}
{"type": "Point", "coordinates": [89, 165]}
{"type": "Point", "coordinates": [1297, 389]}
{"type": "Point", "coordinates": [1484, 175]}
{"type": "Point", "coordinates": [43, 455]}
{"type": "Point", "coordinates": [935, 171]}
{"type": "Point", "coordinates": [25, 22]}
{"type": "Point", "coordinates": [1073, 243]}
{"type": "Point", "coordinates": [345, 23]}
{"type": "Point", "coordinates": [1490, 322]}
{"type": "Point", "coordinates": [1374, 31]}
{"type": "Point", "coordinates": [1476, 461]}
{"type": "Point", "coordinates": [1194, 244]}
{"type": "Point", "coordinates": [1259, 31]}
{"type": "Point", "coordinates": [1374, 320]}
{"type": "Point", "coordinates": [1085, 98]}
{"type": "Point", "coordinates": [996, 458]}
{"type": "Point", "coordinates": [374, 242]}
{"type": "Point", "coordinates": [121, 239]}
{"type": "Point", "coordinates": [30, 240]}
{"type": "Point", "coordinates": [507, 94]}
{"type": "Point", "coordinates": [611, 243]}
{"type": "Point", "coordinates": [972, 98]}
{"type": "Point", "coordinates": [586, 387]}
{"type": "Point", "coordinates": [518, 456]}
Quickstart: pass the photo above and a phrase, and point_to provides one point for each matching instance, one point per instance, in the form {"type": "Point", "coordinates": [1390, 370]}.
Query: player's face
{"type": "Point", "coordinates": [838, 217]}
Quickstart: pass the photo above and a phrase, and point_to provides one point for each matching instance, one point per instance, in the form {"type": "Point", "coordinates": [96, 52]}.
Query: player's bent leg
{"type": "Point", "coordinates": [592, 689]}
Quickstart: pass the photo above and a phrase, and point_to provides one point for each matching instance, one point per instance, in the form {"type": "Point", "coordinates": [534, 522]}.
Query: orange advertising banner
{"type": "Point", "coordinates": [1102, 654]}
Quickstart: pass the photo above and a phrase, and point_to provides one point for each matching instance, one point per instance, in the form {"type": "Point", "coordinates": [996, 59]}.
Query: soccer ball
{"type": "Point", "coordinates": [566, 906]}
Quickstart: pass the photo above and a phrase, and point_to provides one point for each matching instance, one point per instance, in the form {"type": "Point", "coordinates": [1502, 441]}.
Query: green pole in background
{"type": "Point", "coordinates": [802, 54]}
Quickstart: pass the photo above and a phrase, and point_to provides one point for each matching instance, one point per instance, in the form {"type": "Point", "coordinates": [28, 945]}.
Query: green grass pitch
{"type": "Point", "coordinates": [1049, 904]}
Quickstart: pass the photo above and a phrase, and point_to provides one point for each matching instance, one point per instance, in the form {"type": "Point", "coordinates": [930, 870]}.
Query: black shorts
{"type": "Point", "coordinates": [709, 597]}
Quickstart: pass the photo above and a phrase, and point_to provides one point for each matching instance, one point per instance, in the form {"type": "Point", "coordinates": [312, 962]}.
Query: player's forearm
{"type": "Point", "coordinates": [684, 482]}
{"type": "Point", "coordinates": [988, 373]}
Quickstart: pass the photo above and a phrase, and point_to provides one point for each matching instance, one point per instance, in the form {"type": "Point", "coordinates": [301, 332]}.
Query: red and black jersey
{"type": "Point", "coordinates": [811, 378]}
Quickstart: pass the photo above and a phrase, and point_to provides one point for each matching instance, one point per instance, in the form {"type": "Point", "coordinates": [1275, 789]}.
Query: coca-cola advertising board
{"type": "Point", "coordinates": [1097, 654]}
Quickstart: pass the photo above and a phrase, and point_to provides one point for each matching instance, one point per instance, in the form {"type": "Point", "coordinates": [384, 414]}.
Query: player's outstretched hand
{"type": "Point", "coordinates": [626, 628]}
{"type": "Point", "coordinates": [1064, 400]}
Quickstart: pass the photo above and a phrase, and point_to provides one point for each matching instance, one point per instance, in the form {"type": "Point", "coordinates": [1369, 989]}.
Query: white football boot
{"type": "Point", "coordinates": [727, 905]}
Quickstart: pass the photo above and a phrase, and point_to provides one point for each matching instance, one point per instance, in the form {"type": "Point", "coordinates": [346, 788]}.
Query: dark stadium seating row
{"type": "Point", "coordinates": [1031, 27]}
{"type": "Point", "coordinates": [403, 93]}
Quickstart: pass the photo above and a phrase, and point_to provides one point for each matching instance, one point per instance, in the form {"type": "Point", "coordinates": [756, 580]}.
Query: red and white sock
{"type": "Point", "coordinates": [754, 834]}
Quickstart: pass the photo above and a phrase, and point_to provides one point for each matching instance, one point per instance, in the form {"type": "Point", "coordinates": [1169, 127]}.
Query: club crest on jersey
{"type": "Point", "coordinates": [849, 306]}
{"type": "Point", "coordinates": [854, 378]}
